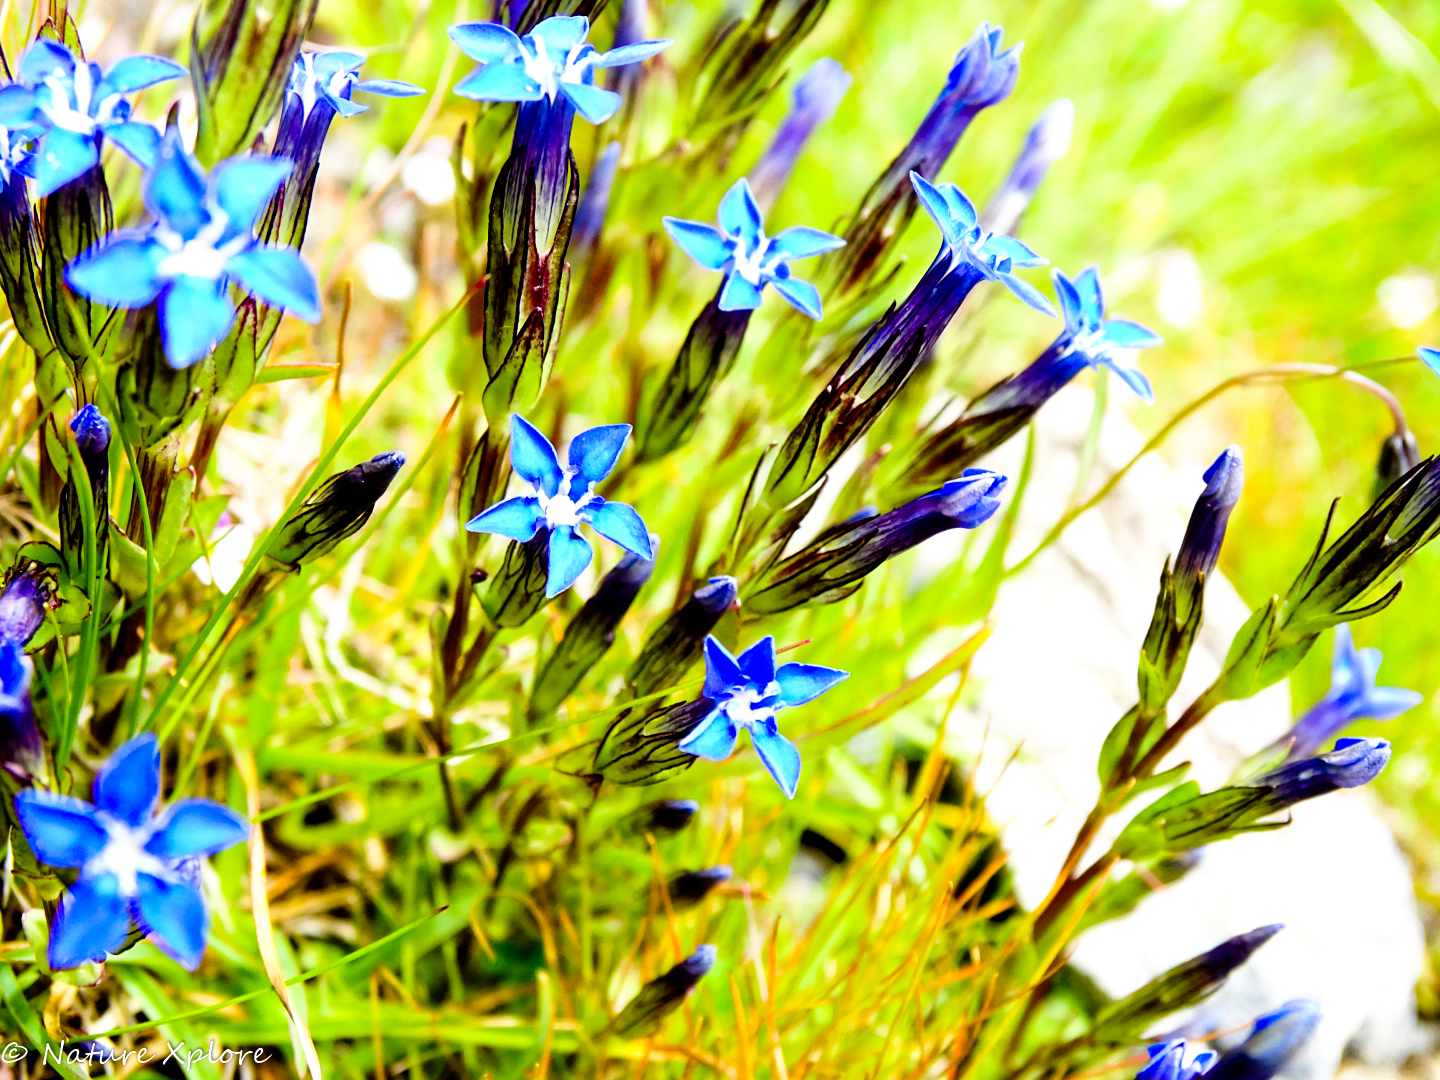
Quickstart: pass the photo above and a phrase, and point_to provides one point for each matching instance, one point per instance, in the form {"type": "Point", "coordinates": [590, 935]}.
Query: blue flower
{"type": "Point", "coordinates": [745, 693]}
{"type": "Point", "coordinates": [554, 59]}
{"type": "Point", "coordinates": [1175, 1060]}
{"type": "Point", "coordinates": [748, 258]}
{"type": "Point", "coordinates": [1097, 338]}
{"type": "Point", "coordinates": [1273, 1042]}
{"type": "Point", "coordinates": [1431, 357]}
{"type": "Point", "coordinates": [20, 125]}
{"type": "Point", "coordinates": [815, 98]}
{"type": "Point", "coordinates": [80, 106]}
{"type": "Point", "coordinates": [28, 594]}
{"type": "Point", "coordinates": [1205, 532]}
{"type": "Point", "coordinates": [1353, 696]}
{"type": "Point", "coordinates": [22, 752]}
{"type": "Point", "coordinates": [983, 75]}
{"type": "Point", "coordinates": [202, 240]}
{"type": "Point", "coordinates": [1047, 142]}
{"type": "Point", "coordinates": [135, 864]}
{"type": "Point", "coordinates": [562, 497]}
{"type": "Point", "coordinates": [332, 76]}
{"type": "Point", "coordinates": [969, 244]}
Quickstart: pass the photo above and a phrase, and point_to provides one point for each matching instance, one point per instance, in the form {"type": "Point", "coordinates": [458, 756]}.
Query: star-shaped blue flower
{"type": "Point", "coordinates": [563, 496]}
{"type": "Point", "coordinates": [1176, 1060]}
{"type": "Point", "coordinates": [554, 59]}
{"type": "Point", "coordinates": [746, 692]}
{"type": "Point", "coordinates": [1353, 696]}
{"type": "Point", "coordinates": [331, 77]}
{"type": "Point", "coordinates": [135, 864]}
{"type": "Point", "coordinates": [1097, 338]}
{"type": "Point", "coordinates": [748, 258]}
{"type": "Point", "coordinates": [201, 241]}
{"type": "Point", "coordinates": [968, 243]}
{"type": "Point", "coordinates": [80, 106]}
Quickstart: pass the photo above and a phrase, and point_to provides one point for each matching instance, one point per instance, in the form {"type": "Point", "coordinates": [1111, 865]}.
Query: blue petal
{"type": "Point", "coordinates": [800, 683]}
{"type": "Point", "coordinates": [44, 60]}
{"type": "Point", "coordinates": [120, 271]}
{"type": "Point", "coordinates": [242, 187]}
{"type": "Point", "coordinates": [1125, 334]}
{"type": "Point", "coordinates": [803, 296]}
{"type": "Point", "coordinates": [630, 54]}
{"type": "Point", "coordinates": [128, 784]}
{"type": "Point", "coordinates": [593, 454]}
{"type": "Point", "coordinates": [197, 827]}
{"type": "Point", "coordinates": [1028, 293]}
{"type": "Point", "coordinates": [176, 191]}
{"type": "Point", "coordinates": [17, 106]}
{"type": "Point", "coordinates": [533, 458]}
{"type": "Point", "coordinates": [714, 738]}
{"type": "Point", "coordinates": [63, 156]}
{"type": "Point", "coordinates": [389, 87]}
{"type": "Point", "coordinates": [1388, 702]}
{"type": "Point", "coordinates": [801, 242]}
{"type": "Point", "coordinates": [141, 142]}
{"type": "Point", "coordinates": [279, 277]}
{"type": "Point", "coordinates": [933, 200]}
{"type": "Point", "coordinates": [779, 756]}
{"type": "Point", "coordinates": [1092, 300]}
{"type": "Point", "coordinates": [1070, 304]}
{"type": "Point", "coordinates": [1431, 358]}
{"type": "Point", "coordinates": [722, 673]}
{"type": "Point", "coordinates": [91, 922]}
{"type": "Point", "coordinates": [739, 295]}
{"type": "Point", "coordinates": [703, 243]}
{"type": "Point", "coordinates": [1133, 378]}
{"type": "Point", "coordinates": [499, 82]}
{"type": "Point", "coordinates": [739, 214]}
{"type": "Point", "coordinates": [519, 519]}
{"type": "Point", "coordinates": [136, 73]}
{"type": "Point", "coordinates": [961, 209]}
{"type": "Point", "coordinates": [345, 107]}
{"type": "Point", "coordinates": [60, 829]}
{"type": "Point", "coordinates": [174, 913]}
{"type": "Point", "coordinates": [1010, 248]}
{"type": "Point", "coordinates": [561, 33]}
{"type": "Point", "coordinates": [758, 662]}
{"type": "Point", "coordinates": [619, 522]}
{"type": "Point", "coordinates": [1345, 659]}
{"type": "Point", "coordinates": [487, 42]}
{"type": "Point", "coordinates": [194, 315]}
{"type": "Point", "coordinates": [592, 102]}
{"type": "Point", "coordinates": [570, 553]}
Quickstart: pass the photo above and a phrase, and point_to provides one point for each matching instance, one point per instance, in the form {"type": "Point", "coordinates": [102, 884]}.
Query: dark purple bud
{"type": "Point", "coordinates": [677, 642]}
{"type": "Point", "coordinates": [660, 819]}
{"type": "Point", "coordinates": [1353, 763]}
{"type": "Point", "coordinates": [92, 433]}
{"type": "Point", "coordinates": [1399, 453]}
{"type": "Point", "coordinates": [834, 565]}
{"type": "Point", "coordinates": [92, 437]}
{"type": "Point", "coordinates": [336, 509]}
{"type": "Point", "coordinates": [660, 997]}
{"type": "Point", "coordinates": [1200, 550]}
{"type": "Point", "coordinates": [1047, 143]}
{"type": "Point", "coordinates": [29, 592]}
{"type": "Point", "coordinates": [688, 889]}
{"type": "Point", "coordinates": [1272, 1044]}
{"type": "Point", "coordinates": [21, 750]}
{"type": "Point", "coordinates": [817, 95]}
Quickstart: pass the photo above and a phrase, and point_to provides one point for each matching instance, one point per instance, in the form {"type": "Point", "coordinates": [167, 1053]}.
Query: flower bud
{"type": "Point", "coordinates": [336, 509]}
{"type": "Point", "coordinates": [589, 635]}
{"type": "Point", "coordinates": [688, 889]}
{"type": "Point", "coordinates": [1276, 1039]}
{"type": "Point", "coordinates": [1399, 453]}
{"type": "Point", "coordinates": [816, 97]}
{"type": "Point", "coordinates": [1047, 143]}
{"type": "Point", "coordinates": [641, 745]}
{"type": "Point", "coordinates": [678, 641]}
{"type": "Point", "coordinates": [660, 997]}
{"type": "Point", "coordinates": [1200, 550]}
{"type": "Point", "coordinates": [1353, 763]}
{"type": "Point", "coordinates": [28, 594]}
{"type": "Point", "coordinates": [660, 819]}
{"type": "Point", "coordinates": [22, 753]}
{"type": "Point", "coordinates": [92, 438]}
{"type": "Point", "coordinates": [835, 564]}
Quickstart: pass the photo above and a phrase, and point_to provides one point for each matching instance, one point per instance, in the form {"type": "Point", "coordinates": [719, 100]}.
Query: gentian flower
{"type": "Point", "coordinates": [1272, 1044]}
{"type": "Point", "coordinates": [562, 497]}
{"type": "Point", "coordinates": [1353, 763]}
{"type": "Point", "coordinates": [201, 241]}
{"type": "Point", "coordinates": [744, 694]}
{"type": "Point", "coordinates": [22, 753]}
{"type": "Point", "coordinates": [814, 100]}
{"type": "Point", "coordinates": [554, 59]}
{"type": "Point", "coordinates": [969, 244]}
{"type": "Point", "coordinates": [332, 77]}
{"type": "Point", "coordinates": [92, 433]}
{"type": "Point", "coordinates": [28, 594]}
{"type": "Point", "coordinates": [1175, 1060]}
{"type": "Point", "coordinates": [135, 865]}
{"type": "Point", "coordinates": [748, 258]}
{"type": "Point", "coordinates": [1431, 357]}
{"type": "Point", "coordinates": [1047, 142]}
{"type": "Point", "coordinates": [20, 125]}
{"type": "Point", "coordinates": [1205, 532]}
{"type": "Point", "coordinates": [1353, 696]}
{"type": "Point", "coordinates": [80, 106]}
{"type": "Point", "coordinates": [1097, 338]}
{"type": "Point", "coordinates": [337, 509]}
{"type": "Point", "coordinates": [661, 819]}
{"type": "Point", "coordinates": [689, 888]}
{"type": "Point", "coordinates": [660, 997]}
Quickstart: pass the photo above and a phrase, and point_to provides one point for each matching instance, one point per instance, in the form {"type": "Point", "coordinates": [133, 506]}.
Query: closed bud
{"type": "Point", "coordinates": [1353, 763]}
{"type": "Point", "coordinates": [22, 754]}
{"type": "Point", "coordinates": [1047, 143]}
{"type": "Point", "coordinates": [1275, 1041]}
{"type": "Point", "coordinates": [660, 997]}
{"type": "Point", "coordinates": [660, 819]}
{"type": "Point", "coordinates": [1399, 453]}
{"type": "Point", "coordinates": [678, 641]}
{"type": "Point", "coordinates": [641, 745]}
{"type": "Point", "coordinates": [336, 509]}
{"type": "Point", "coordinates": [688, 889]}
{"type": "Point", "coordinates": [816, 97]}
{"type": "Point", "coordinates": [835, 564]}
{"type": "Point", "coordinates": [1200, 550]}
{"type": "Point", "coordinates": [28, 594]}
{"type": "Point", "coordinates": [589, 635]}
{"type": "Point", "coordinates": [92, 438]}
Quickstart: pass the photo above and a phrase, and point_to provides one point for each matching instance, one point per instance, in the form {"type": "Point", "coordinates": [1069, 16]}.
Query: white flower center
{"type": "Point", "coordinates": [199, 256]}
{"type": "Point", "coordinates": [124, 855]}
{"type": "Point", "coordinates": [559, 509]}
{"type": "Point", "coordinates": [753, 265]}
{"type": "Point", "coordinates": [305, 84]}
{"type": "Point", "coordinates": [740, 706]}
{"type": "Point", "coordinates": [548, 72]}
